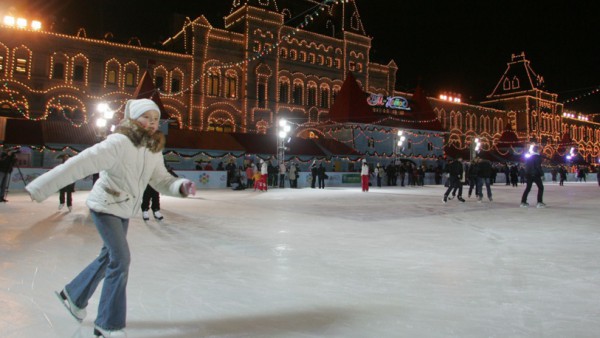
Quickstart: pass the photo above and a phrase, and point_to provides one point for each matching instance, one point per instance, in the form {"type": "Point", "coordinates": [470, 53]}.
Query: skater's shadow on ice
{"type": "Point", "coordinates": [41, 230]}
{"type": "Point", "coordinates": [310, 322]}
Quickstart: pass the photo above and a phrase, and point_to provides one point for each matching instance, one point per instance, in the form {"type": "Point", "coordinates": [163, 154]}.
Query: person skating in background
{"type": "Point", "coordinates": [313, 174]}
{"type": "Point", "coordinates": [364, 176]}
{"type": "Point", "coordinates": [484, 174]}
{"type": "Point", "coordinates": [321, 174]}
{"type": "Point", "coordinates": [282, 171]}
{"type": "Point", "coordinates": [128, 160]}
{"type": "Point", "coordinates": [151, 196]}
{"type": "Point", "coordinates": [455, 171]}
{"type": "Point", "coordinates": [562, 173]}
{"type": "Point", "coordinates": [472, 172]}
{"type": "Point", "coordinates": [378, 173]}
{"type": "Point", "coordinates": [65, 194]}
{"type": "Point", "coordinates": [534, 171]}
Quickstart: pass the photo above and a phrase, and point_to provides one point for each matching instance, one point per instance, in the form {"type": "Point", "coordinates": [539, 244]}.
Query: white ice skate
{"type": "Point", "coordinates": [76, 312]}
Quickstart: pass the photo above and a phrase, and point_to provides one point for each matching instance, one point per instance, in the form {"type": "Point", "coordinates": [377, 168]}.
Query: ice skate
{"type": "Point", "coordinates": [540, 205]}
{"type": "Point", "coordinates": [462, 200]}
{"type": "Point", "coordinates": [524, 205]}
{"type": "Point", "coordinates": [60, 206]}
{"type": "Point", "coordinates": [76, 312]}
{"type": "Point", "coordinates": [158, 215]}
{"type": "Point", "coordinates": [145, 216]}
{"type": "Point", "coordinates": [100, 332]}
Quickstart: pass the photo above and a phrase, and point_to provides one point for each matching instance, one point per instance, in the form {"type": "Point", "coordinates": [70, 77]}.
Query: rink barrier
{"type": "Point", "coordinates": [217, 179]}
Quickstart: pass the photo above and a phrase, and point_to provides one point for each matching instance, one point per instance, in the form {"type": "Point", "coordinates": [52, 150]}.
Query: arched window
{"type": "Point", "coordinates": [58, 70]}
{"type": "Point", "coordinates": [176, 80]}
{"type": "Point", "coordinates": [284, 91]}
{"type": "Point", "coordinates": [324, 97]}
{"type": "Point", "coordinates": [312, 94]}
{"type": "Point", "coordinates": [298, 93]}
{"type": "Point", "coordinates": [131, 74]}
{"type": "Point", "coordinates": [160, 75]}
{"type": "Point", "coordinates": [22, 61]}
{"type": "Point", "coordinates": [113, 69]}
{"type": "Point", "coordinates": [336, 91]}
{"type": "Point", "coordinates": [212, 84]}
{"type": "Point", "coordinates": [230, 84]}
{"type": "Point", "coordinates": [262, 93]}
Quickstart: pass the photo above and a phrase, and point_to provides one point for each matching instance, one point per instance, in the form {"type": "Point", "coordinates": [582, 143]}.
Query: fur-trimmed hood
{"type": "Point", "coordinates": [141, 137]}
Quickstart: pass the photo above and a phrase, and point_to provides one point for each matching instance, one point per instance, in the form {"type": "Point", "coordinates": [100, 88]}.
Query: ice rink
{"type": "Point", "coordinates": [393, 262]}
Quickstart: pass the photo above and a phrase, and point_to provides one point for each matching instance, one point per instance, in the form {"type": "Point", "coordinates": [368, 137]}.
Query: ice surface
{"type": "Point", "coordinates": [393, 262]}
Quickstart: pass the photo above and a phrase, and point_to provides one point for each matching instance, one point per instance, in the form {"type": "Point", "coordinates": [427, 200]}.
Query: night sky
{"type": "Point", "coordinates": [458, 46]}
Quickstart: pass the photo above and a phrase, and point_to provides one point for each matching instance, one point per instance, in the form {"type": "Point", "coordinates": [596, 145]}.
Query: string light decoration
{"type": "Point", "coordinates": [594, 91]}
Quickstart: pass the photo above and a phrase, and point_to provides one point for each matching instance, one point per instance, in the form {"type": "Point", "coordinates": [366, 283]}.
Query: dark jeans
{"type": "Point", "coordinates": [538, 182]}
{"type": "Point", "coordinates": [479, 189]}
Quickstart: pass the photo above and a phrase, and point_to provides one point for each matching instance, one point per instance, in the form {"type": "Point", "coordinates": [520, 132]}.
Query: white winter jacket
{"type": "Point", "coordinates": [124, 169]}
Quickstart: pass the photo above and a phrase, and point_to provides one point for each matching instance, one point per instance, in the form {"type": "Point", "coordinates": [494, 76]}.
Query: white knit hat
{"type": "Point", "coordinates": [135, 108]}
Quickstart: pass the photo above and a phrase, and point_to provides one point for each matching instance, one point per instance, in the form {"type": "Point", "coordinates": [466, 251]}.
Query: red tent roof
{"type": "Point", "coordinates": [351, 104]}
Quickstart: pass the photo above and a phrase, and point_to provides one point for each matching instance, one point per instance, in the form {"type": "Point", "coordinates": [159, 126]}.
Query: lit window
{"type": "Point", "coordinates": [212, 85]}
{"type": "Point", "coordinates": [1, 63]}
{"type": "Point", "coordinates": [112, 77]}
{"type": "Point", "coordinates": [230, 87]}
{"type": "Point", "coordinates": [21, 66]}
{"type": "Point", "coordinates": [129, 79]}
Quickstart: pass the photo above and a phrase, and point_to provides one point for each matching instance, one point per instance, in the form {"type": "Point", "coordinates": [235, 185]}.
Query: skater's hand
{"type": "Point", "coordinates": [188, 188]}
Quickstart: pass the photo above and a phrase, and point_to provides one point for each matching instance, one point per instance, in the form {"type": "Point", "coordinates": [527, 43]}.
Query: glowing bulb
{"type": "Point", "coordinates": [100, 123]}
{"type": "Point", "coordinates": [21, 23]}
{"type": "Point", "coordinates": [108, 114]}
{"type": "Point", "coordinates": [282, 134]}
{"type": "Point", "coordinates": [9, 20]}
{"type": "Point", "coordinates": [282, 122]}
{"type": "Point", "coordinates": [36, 25]}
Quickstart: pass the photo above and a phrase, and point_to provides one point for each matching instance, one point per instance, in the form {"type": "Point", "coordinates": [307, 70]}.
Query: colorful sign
{"type": "Point", "coordinates": [392, 102]}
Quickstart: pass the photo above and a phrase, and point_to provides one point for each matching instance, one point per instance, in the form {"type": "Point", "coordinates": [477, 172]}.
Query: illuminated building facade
{"type": "Point", "coordinates": [271, 59]}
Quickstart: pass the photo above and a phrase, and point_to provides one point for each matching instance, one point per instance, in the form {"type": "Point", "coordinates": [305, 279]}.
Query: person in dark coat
{"type": "Point", "coordinates": [484, 175]}
{"type": "Point", "coordinates": [562, 172]}
{"type": "Point", "coordinates": [534, 171]}
{"type": "Point", "coordinates": [321, 175]}
{"type": "Point", "coordinates": [65, 194]}
{"type": "Point", "coordinates": [455, 171]}
{"type": "Point", "coordinates": [472, 172]}
{"type": "Point", "coordinates": [313, 173]}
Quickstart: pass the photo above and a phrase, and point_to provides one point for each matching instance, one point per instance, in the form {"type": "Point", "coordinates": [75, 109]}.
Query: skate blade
{"type": "Point", "coordinates": [62, 301]}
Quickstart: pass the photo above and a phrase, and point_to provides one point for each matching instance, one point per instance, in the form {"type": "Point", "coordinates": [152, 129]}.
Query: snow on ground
{"type": "Point", "coordinates": [393, 262]}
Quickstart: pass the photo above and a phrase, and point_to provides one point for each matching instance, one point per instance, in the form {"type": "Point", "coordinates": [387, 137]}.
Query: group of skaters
{"type": "Point", "coordinates": [479, 173]}
{"type": "Point", "coordinates": [262, 176]}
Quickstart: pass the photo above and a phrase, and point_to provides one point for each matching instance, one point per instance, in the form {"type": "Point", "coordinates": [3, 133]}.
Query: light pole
{"type": "Point", "coordinates": [283, 131]}
{"type": "Point", "coordinates": [475, 147]}
{"type": "Point", "coordinates": [105, 115]}
{"type": "Point", "coordinates": [399, 144]}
